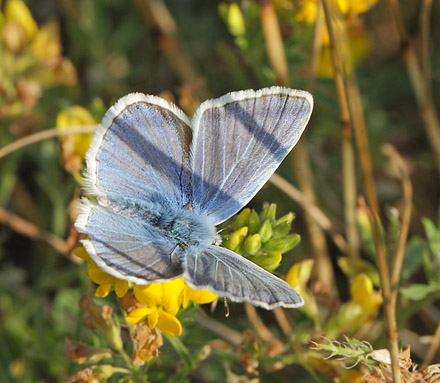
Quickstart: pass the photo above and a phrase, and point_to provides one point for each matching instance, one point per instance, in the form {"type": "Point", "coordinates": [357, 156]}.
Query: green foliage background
{"type": "Point", "coordinates": [116, 52]}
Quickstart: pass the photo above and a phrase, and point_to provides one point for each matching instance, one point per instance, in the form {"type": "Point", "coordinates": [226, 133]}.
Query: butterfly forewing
{"type": "Point", "coordinates": [141, 151]}
{"type": "Point", "coordinates": [238, 142]}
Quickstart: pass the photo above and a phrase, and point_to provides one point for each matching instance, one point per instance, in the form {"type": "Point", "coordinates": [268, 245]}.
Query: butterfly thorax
{"type": "Point", "coordinates": [187, 228]}
{"type": "Point", "coordinates": [179, 224]}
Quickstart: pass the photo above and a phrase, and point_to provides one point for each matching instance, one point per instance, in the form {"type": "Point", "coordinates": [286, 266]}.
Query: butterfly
{"type": "Point", "coordinates": [162, 182]}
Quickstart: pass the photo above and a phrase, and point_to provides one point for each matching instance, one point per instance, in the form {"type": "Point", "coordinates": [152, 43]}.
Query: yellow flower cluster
{"type": "Point", "coordinates": [308, 11]}
{"type": "Point", "coordinates": [347, 23]}
{"type": "Point", "coordinates": [30, 59]}
{"type": "Point", "coordinates": [161, 301]}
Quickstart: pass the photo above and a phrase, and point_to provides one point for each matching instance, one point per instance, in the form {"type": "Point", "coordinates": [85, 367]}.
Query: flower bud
{"type": "Point", "coordinates": [252, 244]}
{"type": "Point", "coordinates": [236, 238]}
{"type": "Point", "coordinates": [269, 213]}
{"type": "Point", "coordinates": [291, 241]}
{"type": "Point", "coordinates": [17, 11]}
{"type": "Point", "coordinates": [270, 261]}
{"type": "Point", "coordinates": [13, 36]}
{"type": "Point", "coordinates": [254, 222]}
{"type": "Point", "coordinates": [242, 219]}
{"type": "Point", "coordinates": [265, 231]}
{"type": "Point", "coordinates": [288, 218]}
{"type": "Point", "coordinates": [274, 244]}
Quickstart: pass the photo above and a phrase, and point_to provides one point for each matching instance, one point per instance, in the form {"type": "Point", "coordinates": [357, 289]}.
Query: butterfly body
{"type": "Point", "coordinates": [162, 183]}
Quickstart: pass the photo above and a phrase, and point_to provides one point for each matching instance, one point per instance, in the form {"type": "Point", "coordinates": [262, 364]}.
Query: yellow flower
{"type": "Point", "coordinates": [233, 17]}
{"type": "Point", "coordinates": [162, 301]}
{"type": "Point", "coordinates": [201, 296]}
{"type": "Point", "coordinates": [359, 310]}
{"type": "Point", "coordinates": [308, 9]}
{"type": "Point", "coordinates": [46, 44]}
{"type": "Point", "coordinates": [236, 24]}
{"type": "Point", "coordinates": [17, 11]}
{"type": "Point", "coordinates": [76, 116]}
{"type": "Point", "coordinates": [104, 281]}
{"type": "Point", "coordinates": [298, 277]}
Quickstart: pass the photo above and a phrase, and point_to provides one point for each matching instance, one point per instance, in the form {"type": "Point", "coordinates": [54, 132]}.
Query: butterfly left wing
{"type": "Point", "coordinates": [141, 151]}
{"type": "Point", "coordinates": [228, 274]}
{"type": "Point", "coordinates": [127, 248]}
{"type": "Point", "coordinates": [238, 142]}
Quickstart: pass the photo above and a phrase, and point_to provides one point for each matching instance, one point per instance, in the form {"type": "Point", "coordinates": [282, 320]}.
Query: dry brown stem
{"type": "Point", "coordinates": [300, 160]}
{"type": "Point", "coordinates": [348, 159]}
{"type": "Point", "coordinates": [44, 135]}
{"type": "Point", "coordinates": [422, 90]}
{"type": "Point", "coordinates": [31, 231]}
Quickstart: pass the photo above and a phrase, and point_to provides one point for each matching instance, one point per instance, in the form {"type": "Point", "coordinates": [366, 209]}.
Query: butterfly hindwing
{"type": "Point", "coordinates": [141, 150]}
{"type": "Point", "coordinates": [238, 142]}
{"type": "Point", "coordinates": [127, 248]}
{"type": "Point", "coordinates": [228, 274]}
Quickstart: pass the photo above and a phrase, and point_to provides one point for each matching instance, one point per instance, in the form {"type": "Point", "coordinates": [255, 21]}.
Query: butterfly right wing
{"type": "Point", "coordinates": [238, 142]}
{"type": "Point", "coordinates": [127, 248]}
{"type": "Point", "coordinates": [228, 274]}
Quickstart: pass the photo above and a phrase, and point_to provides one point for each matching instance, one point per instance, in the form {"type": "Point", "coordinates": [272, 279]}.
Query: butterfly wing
{"type": "Point", "coordinates": [141, 151]}
{"type": "Point", "coordinates": [139, 156]}
{"type": "Point", "coordinates": [238, 142]}
{"type": "Point", "coordinates": [228, 274]}
{"type": "Point", "coordinates": [127, 248]}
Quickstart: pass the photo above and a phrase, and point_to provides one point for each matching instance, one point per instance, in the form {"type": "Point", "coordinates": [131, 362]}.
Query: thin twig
{"type": "Point", "coordinates": [425, 26]}
{"type": "Point", "coordinates": [228, 334]}
{"type": "Point", "coordinates": [435, 344]}
{"type": "Point", "coordinates": [380, 250]}
{"type": "Point", "coordinates": [157, 16]}
{"type": "Point", "coordinates": [422, 92]}
{"type": "Point", "coordinates": [283, 322]}
{"type": "Point", "coordinates": [402, 173]}
{"type": "Point", "coordinates": [361, 137]}
{"type": "Point", "coordinates": [31, 231]}
{"type": "Point", "coordinates": [44, 135]}
{"type": "Point", "coordinates": [258, 324]}
{"type": "Point", "coordinates": [318, 215]}
{"type": "Point", "coordinates": [300, 158]}
{"type": "Point", "coordinates": [348, 159]}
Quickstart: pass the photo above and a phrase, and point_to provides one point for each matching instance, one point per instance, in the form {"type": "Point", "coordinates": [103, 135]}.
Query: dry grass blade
{"type": "Point", "coordinates": [44, 135]}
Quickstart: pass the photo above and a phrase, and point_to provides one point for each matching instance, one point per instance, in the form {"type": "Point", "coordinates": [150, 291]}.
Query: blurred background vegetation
{"type": "Point", "coordinates": [55, 55]}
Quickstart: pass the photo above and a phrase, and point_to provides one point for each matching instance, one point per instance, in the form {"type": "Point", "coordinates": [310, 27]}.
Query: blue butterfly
{"type": "Point", "coordinates": [163, 182]}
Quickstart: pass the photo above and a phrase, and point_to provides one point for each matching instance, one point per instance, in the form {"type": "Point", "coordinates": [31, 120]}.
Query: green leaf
{"type": "Point", "coordinates": [433, 235]}
{"type": "Point", "coordinates": [181, 350]}
{"type": "Point", "coordinates": [419, 291]}
{"type": "Point", "coordinates": [413, 257]}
